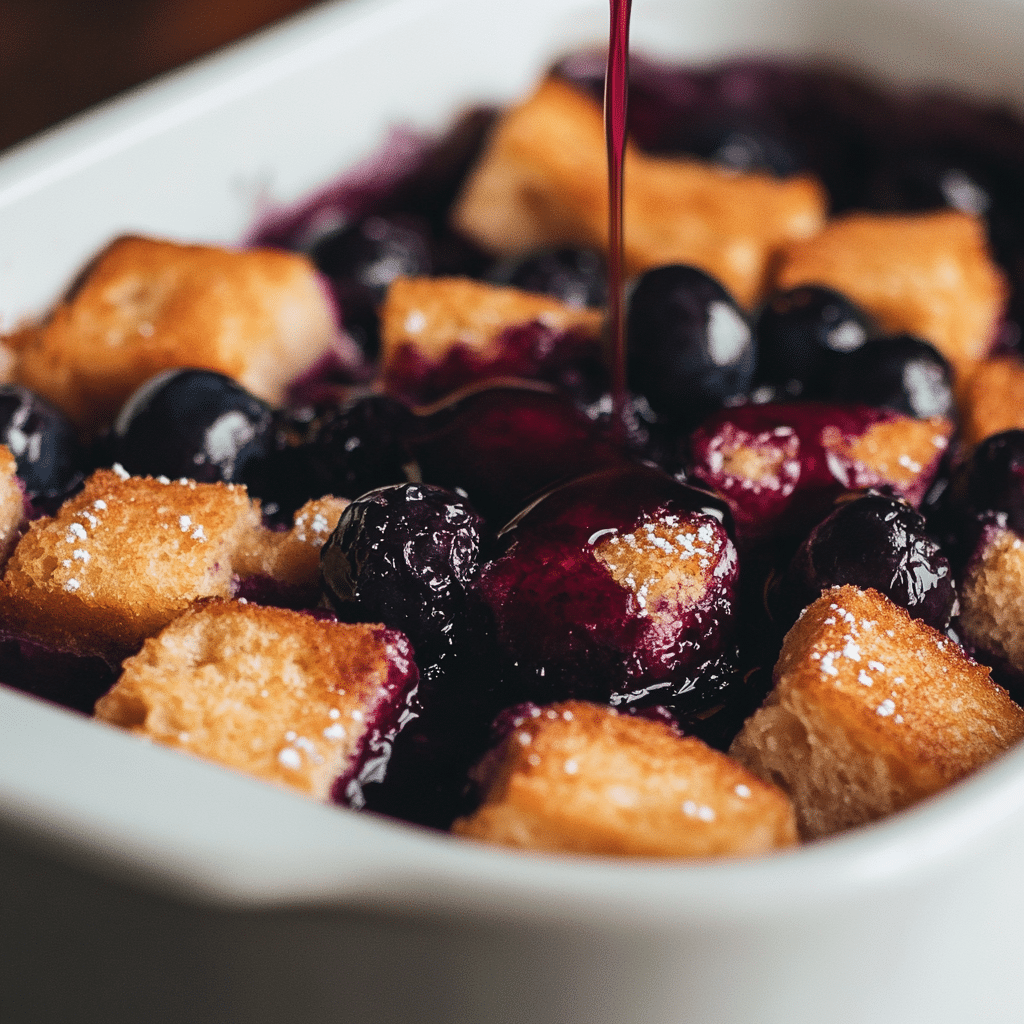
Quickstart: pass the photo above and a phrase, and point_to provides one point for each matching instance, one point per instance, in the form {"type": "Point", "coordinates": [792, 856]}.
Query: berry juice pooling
{"type": "Point", "coordinates": [616, 93]}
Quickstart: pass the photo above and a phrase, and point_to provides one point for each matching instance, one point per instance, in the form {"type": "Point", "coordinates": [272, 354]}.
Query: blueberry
{"type": "Point", "coordinates": [503, 443]}
{"type": "Point", "coordinates": [992, 479]}
{"type": "Point", "coordinates": [902, 373]}
{"type": "Point", "coordinates": [575, 276]}
{"type": "Point", "coordinates": [690, 348]}
{"type": "Point", "coordinates": [742, 144]}
{"type": "Point", "coordinates": [43, 442]}
{"type": "Point", "coordinates": [876, 541]}
{"type": "Point", "coordinates": [192, 423]}
{"type": "Point", "coordinates": [363, 258]}
{"type": "Point", "coordinates": [925, 180]}
{"type": "Point", "coordinates": [405, 555]}
{"type": "Point", "coordinates": [799, 334]}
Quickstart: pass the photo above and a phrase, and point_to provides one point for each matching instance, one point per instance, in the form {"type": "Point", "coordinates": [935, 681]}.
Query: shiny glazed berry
{"type": "Point", "coordinates": [574, 276]}
{"type": "Point", "coordinates": [192, 423]}
{"type": "Point", "coordinates": [689, 346]}
{"type": "Point", "coordinates": [617, 587]}
{"type": "Point", "coordinates": [879, 542]}
{"type": "Point", "coordinates": [992, 480]}
{"type": "Point", "coordinates": [743, 145]}
{"type": "Point", "coordinates": [43, 442]}
{"type": "Point", "coordinates": [404, 555]}
{"type": "Point", "coordinates": [902, 373]}
{"type": "Point", "coordinates": [799, 334]}
{"type": "Point", "coordinates": [504, 443]}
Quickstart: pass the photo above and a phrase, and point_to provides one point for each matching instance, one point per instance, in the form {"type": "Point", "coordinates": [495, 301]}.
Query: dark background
{"type": "Point", "coordinates": [58, 57]}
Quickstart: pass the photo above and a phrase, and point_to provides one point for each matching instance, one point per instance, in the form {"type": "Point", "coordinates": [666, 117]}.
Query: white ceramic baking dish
{"type": "Point", "coordinates": [140, 885]}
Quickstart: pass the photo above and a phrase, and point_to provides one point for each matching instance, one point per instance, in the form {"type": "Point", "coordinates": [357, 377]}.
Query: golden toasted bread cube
{"type": "Point", "coordinates": [433, 315]}
{"type": "Point", "coordinates": [992, 596]}
{"type": "Point", "coordinates": [533, 187]}
{"type": "Point", "coordinates": [872, 711]}
{"type": "Point", "coordinates": [278, 694]}
{"type": "Point", "coordinates": [144, 305]}
{"type": "Point", "coordinates": [582, 778]}
{"type": "Point", "coordinates": [992, 399]}
{"type": "Point", "coordinates": [121, 559]}
{"type": "Point", "coordinates": [926, 274]}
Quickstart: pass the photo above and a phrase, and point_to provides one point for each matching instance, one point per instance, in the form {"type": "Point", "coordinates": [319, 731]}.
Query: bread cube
{"type": "Point", "coordinates": [872, 711]}
{"type": "Point", "coordinates": [281, 695]}
{"type": "Point", "coordinates": [582, 778]}
{"type": "Point", "coordinates": [122, 559]}
{"type": "Point", "coordinates": [144, 305]}
{"type": "Point", "coordinates": [532, 188]}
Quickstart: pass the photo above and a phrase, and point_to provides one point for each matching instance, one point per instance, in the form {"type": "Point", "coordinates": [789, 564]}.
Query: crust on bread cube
{"type": "Point", "coordinates": [121, 559]}
{"type": "Point", "coordinates": [439, 333]}
{"type": "Point", "coordinates": [926, 274]}
{"type": "Point", "coordinates": [274, 693]}
{"type": "Point", "coordinates": [992, 399]}
{"type": "Point", "coordinates": [992, 596]}
{"type": "Point", "coordinates": [872, 711]}
{"type": "Point", "coordinates": [531, 189]}
{"type": "Point", "coordinates": [143, 305]}
{"type": "Point", "coordinates": [582, 778]}
{"type": "Point", "coordinates": [12, 503]}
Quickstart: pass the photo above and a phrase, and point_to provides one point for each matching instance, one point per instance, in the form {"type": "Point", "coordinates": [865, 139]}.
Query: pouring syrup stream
{"type": "Point", "coordinates": [616, 95]}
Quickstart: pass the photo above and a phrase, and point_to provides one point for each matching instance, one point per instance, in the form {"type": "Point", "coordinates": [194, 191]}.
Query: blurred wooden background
{"type": "Point", "coordinates": [58, 57]}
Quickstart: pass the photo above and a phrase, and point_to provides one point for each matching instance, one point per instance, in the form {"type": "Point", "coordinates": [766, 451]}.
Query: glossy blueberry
{"type": "Point", "coordinates": [361, 259]}
{"type": "Point", "coordinates": [405, 555]}
{"type": "Point", "coordinates": [578, 602]}
{"type": "Point", "coordinates": [192, 423]}
{"type": "Point", "coordinates": [923, 180]}
{"type": "Point", "coordinates": [575, 276]}
{"type": "Point", "coordinates": [742, 144]}
{"type": "Point", "coordinates": [799, 334]}
{"type": "Point", "coordinates": [502, 444]}
{"type": "Point", "coordinates": [880, 542]}
{"type": "Point", "coordinates": [902, 373]}
{"type": "Point", "coordinates": [992, 479]}
{"type": "Point", "coordinates": [689, 346]}
{"type": "Point", "coordinates": [43, 442]}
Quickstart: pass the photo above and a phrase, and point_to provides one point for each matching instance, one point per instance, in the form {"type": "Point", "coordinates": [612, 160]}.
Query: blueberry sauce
{"type": "Point", "coordinates": [616, 103]}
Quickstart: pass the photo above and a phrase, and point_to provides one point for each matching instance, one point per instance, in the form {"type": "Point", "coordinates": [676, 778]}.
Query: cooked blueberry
{"type": "Point", "coordinates": [924, 180]}
{"type": "Point", "coordinates": [902, 373]}
{"type": "Point", "coordinates": [879, 542]}
{"type": "Point", "coordinates": [192, 423]}
{"type": "Point", "coordinates": [741, 144]}
{"type": "Point", "coordinates": [405, 555]}
{"type": "Point", "coordinates": [363, 258]}
{"type": "Point", "coordinates": [617, 587]}
{"type": "Point", "coordinates": [503, 443]}
{"type": "Point", "coordinates": [689, 347]}
{"type": "Point", "coordinates": [799, 333]}
{"type": "Point", "coordinates": [42, 441]}
{"type": "Point", "coordinates": [574, 276]}
{"type": "Point", "coordinates": [992, 480]}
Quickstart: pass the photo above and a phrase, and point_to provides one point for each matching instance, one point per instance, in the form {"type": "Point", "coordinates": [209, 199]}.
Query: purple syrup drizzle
{"type": "Point", "coordinates": [616, 102]}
